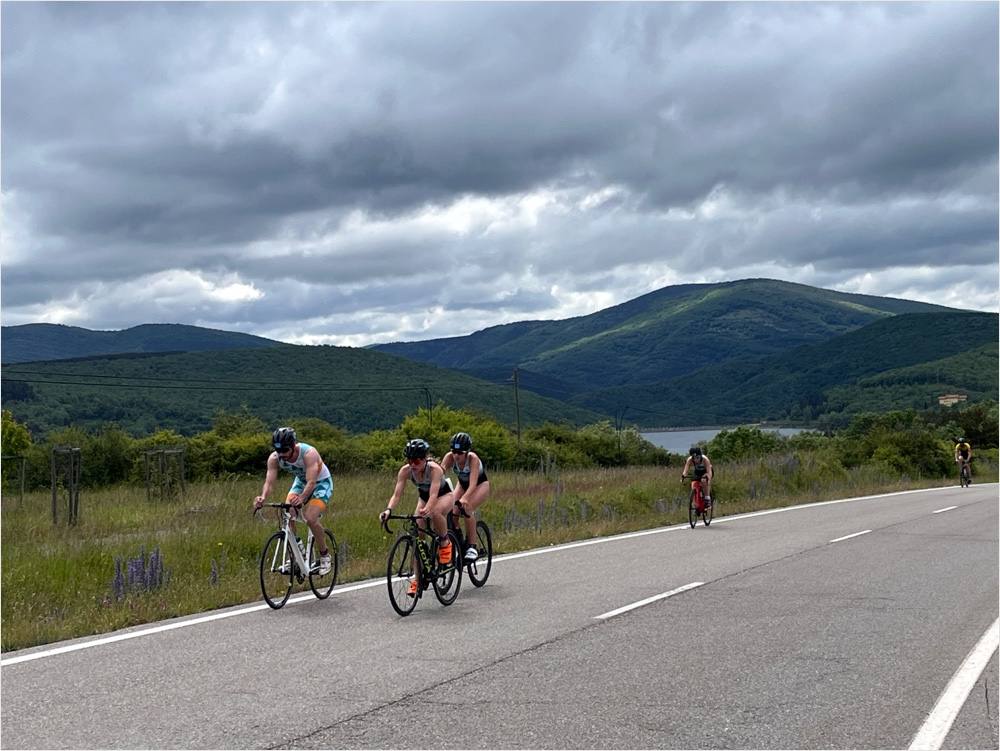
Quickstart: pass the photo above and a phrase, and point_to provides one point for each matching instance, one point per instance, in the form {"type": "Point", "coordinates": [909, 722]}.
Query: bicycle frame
{"type": "Point", "coordinates": [427, 565]}
{"type": "Point", "coordinates": [298, 554]}
{"type": "Point", "coordinates": [699, 494]}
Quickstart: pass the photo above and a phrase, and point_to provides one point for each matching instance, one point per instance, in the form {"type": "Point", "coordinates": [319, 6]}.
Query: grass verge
{"type": "Point", "coordinates": [131, 561]}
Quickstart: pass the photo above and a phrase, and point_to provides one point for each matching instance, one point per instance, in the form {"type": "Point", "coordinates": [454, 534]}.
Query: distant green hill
{"type": "Point", "coordinates": [356, 389]}
{"type": "Point", "coordinates": [648, 339]}
{"type": "Point", "coordinates": [903, 361]}
{"type": "Point", "coordinates": [49, 341]}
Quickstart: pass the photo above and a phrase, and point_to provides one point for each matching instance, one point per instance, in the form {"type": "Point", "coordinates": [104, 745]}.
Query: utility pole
{"type": "Point", "coordinates": [517, 411]}
{"type": "Point", "coordinates": [619, 424]}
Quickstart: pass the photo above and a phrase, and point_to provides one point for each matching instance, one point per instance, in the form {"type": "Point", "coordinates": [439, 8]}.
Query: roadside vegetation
{"type": "Point", "coordinates": [130, 560]}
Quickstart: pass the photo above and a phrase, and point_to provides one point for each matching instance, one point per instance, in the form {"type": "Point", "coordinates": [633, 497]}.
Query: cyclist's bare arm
{"type": "Point", "coordinates": [397, 492]}
{"type": "Point", "coordinates": [474, 467]}
{"type": "Point", "coordinates": [687, 466]}
{"type": "Point", "coordinates": [432, 492]}
{"type": "Point", "coordinates": [447, 462]}
{"type": "Point", "coordinates": [313, 463]}
{"type": "Point", "coordinates": [708, 468]}
{"type": "Point", "coordinates": [272, 475]}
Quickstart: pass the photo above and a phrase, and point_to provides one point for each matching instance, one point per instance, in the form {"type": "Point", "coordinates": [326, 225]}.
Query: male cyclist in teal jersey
{"type": "Point", "coordinates": [473, 485]}
{"type": "Point", "coordinates": [313, 485]}
{"type": "Point", "coordinates": [701, 468]}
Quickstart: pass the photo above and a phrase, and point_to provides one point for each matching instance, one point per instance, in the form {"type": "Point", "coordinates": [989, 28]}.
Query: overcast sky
{"type": "Point", "coordinates": [356, 173]}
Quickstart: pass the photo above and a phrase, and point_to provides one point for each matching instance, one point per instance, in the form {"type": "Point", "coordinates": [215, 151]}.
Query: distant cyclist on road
{"type": "Point", "coordinates": [699, 466]}
{"type": "Point", "coordinates": [474, 486]}
{"type": "Point", "coordinates": [313, 485]}
{"type": "Point", "coordinates": [435, 501]}
{"type": "Point", "coordinates": [963, 455]}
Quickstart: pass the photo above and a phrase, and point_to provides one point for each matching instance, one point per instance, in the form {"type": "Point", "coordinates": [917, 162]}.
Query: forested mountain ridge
{"type": "Point", "coordinates": [50, 341]}
{"type": "Point", "coordinates": [355, 389]}
{"type": "Point", "coordinates": [649, 338]}
{"type": "Point", "coordinates": [894, 363]}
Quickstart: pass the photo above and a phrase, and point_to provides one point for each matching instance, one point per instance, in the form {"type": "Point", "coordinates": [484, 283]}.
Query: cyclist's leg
{"type": "Point", "coordinates": [297, 487]}
{"type": "Point", "coordinates": [312, 513]}
{"type": "Point", "coordinates": [473, 500]}
{"type": "Point", "coordinates": [706, 483]}
{"type": "Point", "coordinates": [438, 516]}
{"type": "Point", "coordinates": [422, 526]}
{"type": "Point", "coordinates": [313, 510]}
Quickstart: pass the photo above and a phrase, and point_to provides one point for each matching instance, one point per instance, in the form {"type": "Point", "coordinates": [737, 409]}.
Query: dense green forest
{"type": "Point", "coordinates": [902, 362]}
{"type": "Point", "coordinates": [651, 338]}
{"type": "Point", "coordinates": [357, 389]}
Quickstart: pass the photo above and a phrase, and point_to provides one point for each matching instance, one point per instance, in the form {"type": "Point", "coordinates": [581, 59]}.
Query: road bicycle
{"type": "Point", "coordinates": [697, 507]}
{"type": "Point", "coordinates": [286, 560]}
{"type": "Point", "coordinates": [964, 473]}
{"type": "Point", "coordinates": [412, 557]}
{"type": "Point", "coordinates": [479, 569]}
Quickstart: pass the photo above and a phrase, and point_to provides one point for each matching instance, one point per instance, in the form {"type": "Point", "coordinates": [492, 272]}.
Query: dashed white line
{"type": "Point", "coordinates": [942, 510]}
{"type": "Point", "coordinates": [848, 537]}
{"type": "Point", "coordinates": [935, 728]}
{"type": "Point", "coordinates": [654, 598]}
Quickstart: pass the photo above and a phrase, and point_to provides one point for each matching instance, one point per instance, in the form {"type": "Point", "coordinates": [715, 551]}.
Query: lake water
{"type": "Point", "coordinates": [679, 441]}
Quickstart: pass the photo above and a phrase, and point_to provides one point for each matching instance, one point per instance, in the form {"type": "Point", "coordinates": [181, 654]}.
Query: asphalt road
{"type": "Point", "coordinates": [801, 634]}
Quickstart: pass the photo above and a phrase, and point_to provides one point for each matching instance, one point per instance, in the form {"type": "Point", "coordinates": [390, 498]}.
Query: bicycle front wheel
{"type": "Point", "coordinates": [692, 508]}
{"type": "Point", "coordinates": [479, 569]}
{"type": "Point", "coordinates": [448, 580]}
{"type": "Point", "coordinates": [706, 515]}
{"type": "Point", "coordinates": [275, 571]}
{"type": "Point", "coordinates": [399, 572]}
{"type": "Point", "coordinates": [322, 584]}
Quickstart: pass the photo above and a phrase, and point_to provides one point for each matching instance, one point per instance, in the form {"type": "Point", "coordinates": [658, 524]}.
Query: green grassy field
{"type": "Point", "coordinates": [58, 581]}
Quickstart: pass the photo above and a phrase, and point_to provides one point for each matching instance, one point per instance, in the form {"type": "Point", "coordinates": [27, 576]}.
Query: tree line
{"type": "Point", "coordinates": [905, 442]}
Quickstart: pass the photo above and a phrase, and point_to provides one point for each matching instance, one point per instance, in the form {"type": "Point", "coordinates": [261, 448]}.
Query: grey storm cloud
{"type": "Point", "coordinates": [406, 161]}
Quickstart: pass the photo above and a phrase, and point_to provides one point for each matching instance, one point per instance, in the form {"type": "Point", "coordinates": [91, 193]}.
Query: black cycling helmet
{"type": "Point", "coordinates": [416, 449]}
{"type": "Point", "coordinates": [283, 439]}
{"type": "Point", "coordinates": [461, 442]}
{"type": "Point", "coordinates": [695, 451]}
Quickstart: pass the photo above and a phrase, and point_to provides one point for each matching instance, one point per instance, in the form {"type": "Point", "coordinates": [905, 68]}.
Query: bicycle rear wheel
{"type": "Point", "coordinates": [322, 585]}
{"type": "Point", "coordinates": [399, 572]}
{"type": "Point", "coordinates": [692, 508]}
{"type": "Point", "coordinates": [479, 569]}
{"type": "Point", "coordinates": [449, 575]}
{"type": "Point", "coordinates": [276, 571]}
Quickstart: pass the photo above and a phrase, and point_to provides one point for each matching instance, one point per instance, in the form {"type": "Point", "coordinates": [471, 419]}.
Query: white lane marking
{"type": "Point", "coordinates": [848, 537]}
{"type": "Point", "coordinates": [378, 582]}
{"type": "Point", "coordinates": [942, 510]}
{"type": "Point", "coordinates": [935, 728]}
{"type": "Point", "coordinates": [168, 627]}
{"type": "Point", "coordinates": [654, 598]}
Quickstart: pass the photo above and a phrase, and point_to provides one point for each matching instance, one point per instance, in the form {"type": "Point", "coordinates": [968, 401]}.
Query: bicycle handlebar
{"type": "Point", "coordinates": [408, 517]}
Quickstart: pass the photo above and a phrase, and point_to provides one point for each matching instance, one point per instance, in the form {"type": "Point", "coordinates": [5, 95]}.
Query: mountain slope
{"type": "Point", "coordinates": [923, 350]}
{"type": "Point", "coordinates": [356, 389]}
{"type": "Point", "coordinates": [648, 339]}
{"type": "Point", "coordinates": [49, 341]}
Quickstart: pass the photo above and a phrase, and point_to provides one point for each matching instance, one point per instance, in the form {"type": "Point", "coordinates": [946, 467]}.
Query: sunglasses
{"type": "Point", "coordinates": [415, 462]}
{"type": "Point", "coordinates": [459, 451]}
